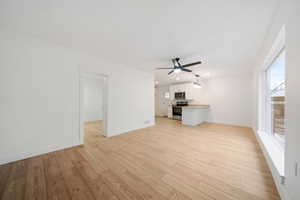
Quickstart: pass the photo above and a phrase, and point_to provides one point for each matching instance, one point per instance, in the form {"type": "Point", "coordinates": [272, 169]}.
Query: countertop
{"type": "Point", "coordinates": [196, 106]}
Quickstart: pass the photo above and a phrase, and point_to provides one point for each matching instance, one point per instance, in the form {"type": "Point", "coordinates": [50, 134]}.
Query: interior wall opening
{"type": "Point", "coordinates": [93, 103]}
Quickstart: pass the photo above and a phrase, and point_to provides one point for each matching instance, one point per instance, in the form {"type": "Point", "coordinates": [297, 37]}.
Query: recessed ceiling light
{"type": "Point", "coordinates": [177, 70]}
{"type": "Point", "coordinates": [177, 78]}
{"type": "Point", "coordinates": [156, 82]}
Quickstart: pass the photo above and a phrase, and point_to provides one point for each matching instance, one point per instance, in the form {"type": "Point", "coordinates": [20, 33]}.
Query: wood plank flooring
{"type": "Point", "coordinates": [166, 161]}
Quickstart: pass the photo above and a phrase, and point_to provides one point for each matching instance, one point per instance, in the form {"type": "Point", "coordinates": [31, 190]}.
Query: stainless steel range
{"type": "Point", "coordinates": [177, 109]}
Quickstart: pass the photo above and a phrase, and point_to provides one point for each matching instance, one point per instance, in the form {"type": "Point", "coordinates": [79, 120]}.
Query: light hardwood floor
{"type": "Point", "coordinates": [166, 161]}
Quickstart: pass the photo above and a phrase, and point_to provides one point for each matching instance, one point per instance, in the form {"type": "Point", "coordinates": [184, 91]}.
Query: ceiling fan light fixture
{"type": "Point", "coordinates": [177, 70]}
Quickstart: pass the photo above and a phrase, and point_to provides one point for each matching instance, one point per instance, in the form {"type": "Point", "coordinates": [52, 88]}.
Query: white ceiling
{"type": "Point", "coordinates": [225, 35]}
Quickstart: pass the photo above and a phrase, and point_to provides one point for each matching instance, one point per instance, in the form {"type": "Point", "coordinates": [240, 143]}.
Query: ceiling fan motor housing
{"type": "Point", "coordinates": [177, 66]}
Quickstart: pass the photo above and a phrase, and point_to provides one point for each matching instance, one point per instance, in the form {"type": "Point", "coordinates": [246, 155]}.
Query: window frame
{"type": "Point", "coordinates": [274, 151]}
{"type": "Point", "coordinates": [267, 99]}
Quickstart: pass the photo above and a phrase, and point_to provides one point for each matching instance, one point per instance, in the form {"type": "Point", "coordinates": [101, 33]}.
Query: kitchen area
{"type": "Point", "coordinates": [178, 102]}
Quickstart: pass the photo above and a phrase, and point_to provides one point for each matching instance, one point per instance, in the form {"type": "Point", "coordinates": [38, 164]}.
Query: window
{"type": "Point", "coordinates": [271, 103]}
{"type": "Point", "coordinates": [275, 97]}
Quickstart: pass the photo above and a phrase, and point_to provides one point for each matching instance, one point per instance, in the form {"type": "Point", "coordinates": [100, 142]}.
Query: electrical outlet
{"type": "Point", "coordinates": [296, 169]}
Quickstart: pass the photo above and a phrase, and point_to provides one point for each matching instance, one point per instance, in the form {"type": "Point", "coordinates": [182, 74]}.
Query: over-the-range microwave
{"type": "Point", "coordinates": [179, 95]}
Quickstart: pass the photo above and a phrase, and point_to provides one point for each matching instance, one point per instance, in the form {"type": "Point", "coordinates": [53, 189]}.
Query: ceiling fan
{"type": "Point", "coordinates": [177, 67]}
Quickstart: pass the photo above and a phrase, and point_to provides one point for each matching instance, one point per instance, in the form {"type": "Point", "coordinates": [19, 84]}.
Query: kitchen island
{"type": "Point", "coordinates": [193, 115]}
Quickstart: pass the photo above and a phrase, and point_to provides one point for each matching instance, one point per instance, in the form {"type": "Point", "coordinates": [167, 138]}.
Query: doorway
{"type": "Point", "coordinates": [93, 107]}
{"type": "Point", "coordinates": [162, 100]}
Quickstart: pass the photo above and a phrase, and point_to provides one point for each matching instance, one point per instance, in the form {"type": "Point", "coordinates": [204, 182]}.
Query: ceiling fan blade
{"type": "Point", "coordinates": [186, 70]}
{"type": "Point", "coordinates": [171, 72]}
{"type": "Point", "coordinates": [197, 75]}
{"type": "Point", "coordinates": [165, 68]}
{"type": "Point", "coordinates": [191, 64]}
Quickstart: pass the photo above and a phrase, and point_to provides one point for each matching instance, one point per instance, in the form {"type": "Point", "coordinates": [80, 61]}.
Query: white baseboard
{"type": "Point", "coordinates": [24, 155]}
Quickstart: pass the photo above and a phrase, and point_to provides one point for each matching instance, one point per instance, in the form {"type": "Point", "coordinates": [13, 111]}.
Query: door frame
{"type": "Point", "coordinates": [92, 75]}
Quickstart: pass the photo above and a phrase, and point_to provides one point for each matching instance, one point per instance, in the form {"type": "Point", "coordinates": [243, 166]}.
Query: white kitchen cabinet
{"type": "Point", "coordinates": [182, 87]}
{"type": "Point", "coordinates": [177, 88]}
{"type": "Point", "coordinates": [194, 115]}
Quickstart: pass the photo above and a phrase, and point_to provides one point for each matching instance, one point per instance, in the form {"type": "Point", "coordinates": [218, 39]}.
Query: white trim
{"type": "Point", "coordinates": [277, 47]}
{"type": "Point", "coordinates": [263, 108]}
{"type": "Point", "coordinates": [92, 75]}
{"type": "Point", "coordinates": [274, 149]}
{"type": "Point", "coordinates": [275, 160]}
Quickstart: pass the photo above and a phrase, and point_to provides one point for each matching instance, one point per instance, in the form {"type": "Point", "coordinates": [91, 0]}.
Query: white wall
{"type": "Point", "coordinates": [293, 99]}
{"type": "Point", "coordinates": [156, 102]}
{"type": "Point", "coordinates": [288, 15]}
{"type": "Point", "coordinates": [39, 84]}
{"type": "Point", "coordinates": [230, 99]}
{"type": "Point", "coordinates": [93, 92]}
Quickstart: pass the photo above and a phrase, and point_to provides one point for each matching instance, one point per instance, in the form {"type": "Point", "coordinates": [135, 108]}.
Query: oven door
{"type": "Point", "coordinates": [177, 110]}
